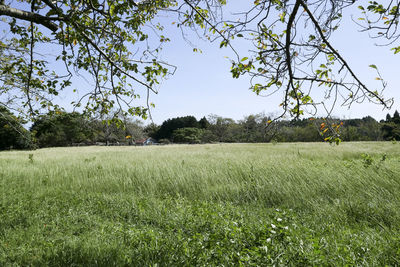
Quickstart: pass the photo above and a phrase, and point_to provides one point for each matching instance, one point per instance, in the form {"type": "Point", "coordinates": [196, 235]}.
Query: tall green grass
{"type": "Point", "coordinates": [222, 204]}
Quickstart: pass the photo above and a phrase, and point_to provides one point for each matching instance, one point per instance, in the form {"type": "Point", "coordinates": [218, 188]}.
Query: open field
{"type": "Point", "coordinates": [228, 204]}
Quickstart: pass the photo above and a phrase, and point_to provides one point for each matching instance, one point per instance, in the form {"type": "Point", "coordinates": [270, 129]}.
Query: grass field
{"type": "Point", "coordinates": [222, 204]}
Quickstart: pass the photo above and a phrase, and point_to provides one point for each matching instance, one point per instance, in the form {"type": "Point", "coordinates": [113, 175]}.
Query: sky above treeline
{"type": "Point", "coordinates": [203, 83]}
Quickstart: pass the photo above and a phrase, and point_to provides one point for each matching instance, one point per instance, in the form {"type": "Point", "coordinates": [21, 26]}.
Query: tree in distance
{"type": "Point", "coordinates": [117, 43]}
{"type": "Point", "coordinates": [391, 127]}
{"type": "Point", "coordinates": [188, 135]}
{"type": "Point", "coordinates": [168, 127]}
{"type": "Point", "coordinates": [61, 129]}
{"type": "Point", "coordinates": [12, 133]}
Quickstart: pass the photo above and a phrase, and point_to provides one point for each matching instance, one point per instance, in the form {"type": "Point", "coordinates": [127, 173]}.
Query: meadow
{"type": "Point", "coordinates": [296, 204]}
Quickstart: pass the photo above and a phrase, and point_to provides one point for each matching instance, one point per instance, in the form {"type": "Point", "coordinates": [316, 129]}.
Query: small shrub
{"type": "Point", "coordinates": [367, 160]}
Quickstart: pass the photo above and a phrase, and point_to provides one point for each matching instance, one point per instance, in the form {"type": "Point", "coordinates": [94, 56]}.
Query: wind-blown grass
{"type": "Point", "coordinates": [228, 204]}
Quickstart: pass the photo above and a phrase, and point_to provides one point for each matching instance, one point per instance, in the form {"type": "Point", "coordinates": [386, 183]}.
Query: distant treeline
{"type": "Point", "coordinates": [73, 129]}
{"type": "Point", "coordinates": [259, 128]}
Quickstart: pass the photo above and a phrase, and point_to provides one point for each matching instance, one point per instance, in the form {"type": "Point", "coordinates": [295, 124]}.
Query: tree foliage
{"type": "Point", "coordinates": [61, 129]}
{"type": "Point", "coordinates": [391, 127]}
{"type": "Point", "coordinates": [188, 135]}
{"type": "Point", "coordinates": [251, 129]}
{"type": "Point", "coordinates": [169, 126]}
{"type": "Point", "coordinates": [12, 133]}
{"type": "Point", "coordinates": [117, 43]}
{"type": "Point", "coordinates": [108, 40]}
{"type": "Point", "coordinates": [292, 52]}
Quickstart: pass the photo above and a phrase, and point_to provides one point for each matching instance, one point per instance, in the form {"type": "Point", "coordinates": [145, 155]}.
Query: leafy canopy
{"type": "Point", "coordinates": [117, 43]}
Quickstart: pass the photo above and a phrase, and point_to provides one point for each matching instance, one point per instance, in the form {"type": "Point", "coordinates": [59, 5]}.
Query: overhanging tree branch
{"type": "Point", "coordinates": [28, 16]}
{"type": "Point", "coordinates": [50, 4]}
{"type": "Point", "coordinates": [93, 44]}
{"type": "Point", "coordinates": [339, 56]}
{"type": "Point", "coordinates": [288, 55]}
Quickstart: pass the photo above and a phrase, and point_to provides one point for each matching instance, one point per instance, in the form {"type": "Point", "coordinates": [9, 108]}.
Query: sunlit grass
{"type": "Point", "coordinates": [202, 205]}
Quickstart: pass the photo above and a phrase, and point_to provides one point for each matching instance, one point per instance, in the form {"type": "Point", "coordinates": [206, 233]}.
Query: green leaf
{"type": "Point", "coordinates": [112, 8]}
{"type": "Point", "coordinates": [396, 49]}
{"type": "Point", "coordinates": [223, 43]}
{"type": "Point", "coordinates": [282, 17]}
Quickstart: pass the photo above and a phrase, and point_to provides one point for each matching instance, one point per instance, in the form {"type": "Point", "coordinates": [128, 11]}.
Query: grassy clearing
{"type": "Point", "coordinates": [229, 204]}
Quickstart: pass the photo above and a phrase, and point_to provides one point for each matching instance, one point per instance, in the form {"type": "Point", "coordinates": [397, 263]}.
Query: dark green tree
{"type": "Point", "coordinates": [391, 131]}
{"type": "Point", "coordinates": [169, 126]}
{"type": "Point", "coordinates": [203, 123]}
{"type": "Point", "coordinates": [62, 129]}
{"type": "Point", "coordinates": [396, 117]}
{"type": "Point", "coordinates": [12, 133]}
{"type": "Point", "coordinates": [391, 128]}
{"type": "Point", "coordinates": [388, 118]}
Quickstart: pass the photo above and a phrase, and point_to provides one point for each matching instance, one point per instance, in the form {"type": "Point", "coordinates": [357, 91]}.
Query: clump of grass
{"type": "Point", "coordinates": [30, 157]}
